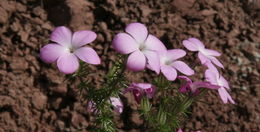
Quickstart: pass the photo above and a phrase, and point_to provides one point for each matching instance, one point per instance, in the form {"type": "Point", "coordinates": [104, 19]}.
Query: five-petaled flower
{"type": "Point", "coordinates": [194, 86]}
{"type": "Point", "coordinates": [141, 89]}
{"type": "Point", "coordinates": [68, 48]}
{"type": "Point", "coordinates": [169, 63]}
{"type": "Point", "coordinates": [117, 104]}
{"type": "Point", "coordinates": [205, 55]}
{"type": "Point", "coordinates": [141, 46]}
{"type": "Point", "coordinates": [212, 75]}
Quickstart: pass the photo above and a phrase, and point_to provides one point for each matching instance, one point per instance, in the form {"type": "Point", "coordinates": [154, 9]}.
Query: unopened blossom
{"type": "Point", "coordinates": [205, 55]}
{"type": "Point", "coordinates": [169, 64]}
{"type": "Point", "coordinates": [141, 89]}
{"type": "Point", "coordinates": [117, 104]}
{"type": "Point", "coordinates": [212, 75]}
{"type": "Point", "coordinates": [141, 46]}
{"type": "Point", "coordinates": [91, 107]}
{"type": "Point", "coordinates": [194, 86]}
{"type": "Point", "coordinates": [68, 47]}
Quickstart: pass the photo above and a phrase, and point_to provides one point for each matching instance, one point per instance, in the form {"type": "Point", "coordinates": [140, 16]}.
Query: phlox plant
{"type": "Point", "coordinates": [164, 102]}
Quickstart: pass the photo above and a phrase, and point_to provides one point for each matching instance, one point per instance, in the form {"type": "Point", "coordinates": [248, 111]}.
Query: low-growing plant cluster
{"type": "Point", "coordinates": [164, 102]}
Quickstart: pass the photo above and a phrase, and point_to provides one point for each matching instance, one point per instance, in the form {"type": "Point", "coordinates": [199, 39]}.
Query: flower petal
{"type": "Point", "coordinates": [197, 85]}
{"type": "Point", "coordinates": [216, 62]}
{"type": "Point", "coordinates": [81, 38]}
{"type": "Point", "coordinates": [188, 80]}
{"type": "Point", "coordinates": [68, 63]}
{"type": "Point", "coordinates": [179, 130]}
{"type": "Point", "coordinates": [175, 54]}
{"type": "Point", "coordinates": [117, 104]}
{"type": "Point", "coordinates": [182, 67]}
{"type": "Point", "coordinates": [153, 60]}
{"type": "Point", "coordinates": [197, 42]}
{"type": "Point", "coordinates": [142, 85]}
{"type": "Point", "coordinates": [169, 72]}
{"type": "Point", "coordinates": [124, 43]}
{"type": "Point", "coordinates": [153, 43]}
{"type": "Point", "coordinates": [224, 82]}
{"type": "Point", "coordinates": [224, 95]}
{"type": "Point", "coordinates": [138, 31]}
{"type": "Point", "coordinates": [62, 35]}
{"type": "Point", "coordinates": [203, 59]}
{"type": "Point", "coordinates": [51, 52]}
{"type": "Point", "coordinates": [88, 55]}
{"type": "Point", "coordinates": [189, 45]}
{"type": "Point", "coordinates": [211, 76]}
{"type": "Point", "coordinates": [211, 52]}
{"type": "Point", "coordinates": [136, 61]}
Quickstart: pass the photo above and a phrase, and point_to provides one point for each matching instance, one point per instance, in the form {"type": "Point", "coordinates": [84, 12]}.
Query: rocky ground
{"type": "Point", "coordinates": [35, 97]}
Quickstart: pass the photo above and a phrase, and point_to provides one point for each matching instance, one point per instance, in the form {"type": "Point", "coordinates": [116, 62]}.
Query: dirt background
{"type": "Point", "coordinates": [35, 97]}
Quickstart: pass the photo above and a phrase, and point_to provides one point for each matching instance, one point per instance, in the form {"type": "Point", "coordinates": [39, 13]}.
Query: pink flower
{"type": "Point", "coordinates": [194, 86]}
{"type": "Point", "coordinates": [212, 75]}
{"type": "Point", "coordinates": [179, 130]}
{"type": "Point", "coordinates": [91, 107]}
{"type": "Point", "coordinates": [141, 46]}
{"type": "Point", "coordinates": [68, 48]}
{"type": "Point", "coordinates": [205, 55]}
{"type": "Point", "coordinates": [117, 104]}
{"type": "Point", "coordinates": [141, 89]}
{"type": "Point", "coordinates": [169, 63]}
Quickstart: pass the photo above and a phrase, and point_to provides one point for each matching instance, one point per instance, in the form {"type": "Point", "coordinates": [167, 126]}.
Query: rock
{"type": "Point", "coordinates": [39, 100]}
{"type": "Point", "coordinates": [3, 16]}
{"type": "Point", "coordinates": [135, 118]}
{"type": "Point", "coordinates": [78, 120]}
{"type": "Point", "coordinates": [56, 103]}
{"type": "Point", "coordinates": [18, 64]}
{"type": "Point", "coordinates": [145, 10]}
{"type": "Point", "coordinates": [59, 89]}
{"type": "Point", "coordinates": [207, 12]}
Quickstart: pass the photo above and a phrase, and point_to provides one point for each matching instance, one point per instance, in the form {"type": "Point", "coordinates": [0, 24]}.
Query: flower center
{"type": "Point", "coordinates": [142, 47]}
{"type": "Point", "coordinates": [166, 61]}
{"type": "Point", "coordinates": [71, 49]}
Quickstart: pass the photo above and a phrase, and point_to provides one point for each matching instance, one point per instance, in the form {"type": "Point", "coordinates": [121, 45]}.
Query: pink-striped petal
{"type": "Point", "coordinates": [203, 59]}
{"type": "Point", "coordinates": [189, 45]}
{"type": "Point", "coordinates": [197, 42]}
{"type": "Point", "coordinates": [211, 76]}
{"type": "Point", "coordinates": [211, 52]}
{"type": "Point", "coordinates": [62, 35]}
{"type": "Point", "coordinates": [153, 43]}
{"type": "Point", "coordinates": [136, 61]}
{"type": "Point", "coordinates": [194, 86]}
{"type": "Point", "coordinates": [51, 52]}
{"type": "Point", "coordinates": [138, 31]}
{"type": "Point", "coordinates": [188, 80]}
{"type": "Point", "coordinates": [153, 60]}
{"type": "Point", "coordinates": [169, 72]}
{"type": "Point", "coordinates": [182, 67]}
{"type": "Point", "coordinates": [124, 43]}
{"type": "Point", "coordinates": [224, 95]}
{"type": "Point", "coordinates": [224, 82]}
{"type": "Point", "coordinates": [84, 37]}
{"type": "Point", "coordinates": [88, 55]}
{"type": "Point", "coordinates": [175, 54]}
{"type": "Point", "coordinates": [68, 63]}
{"type": "Point", "coordinates": [216, 62]}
